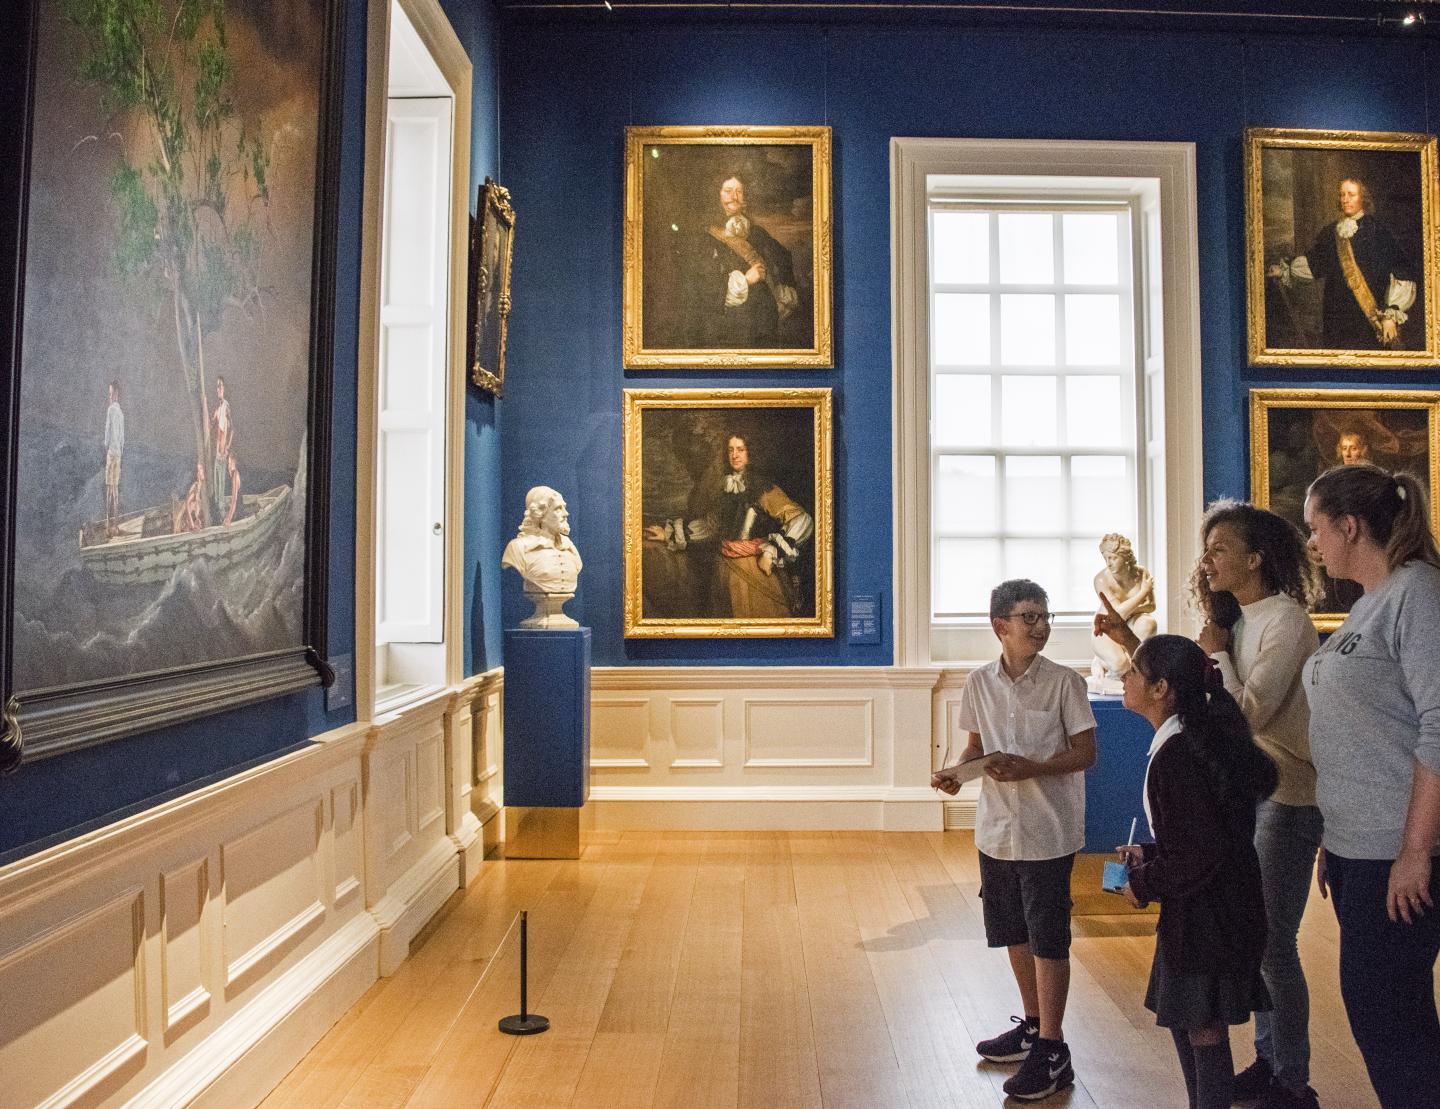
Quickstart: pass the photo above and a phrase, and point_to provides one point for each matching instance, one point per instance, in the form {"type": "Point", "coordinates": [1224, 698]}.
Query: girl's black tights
{"type": "Point", "coordinates": [1209, 1071]}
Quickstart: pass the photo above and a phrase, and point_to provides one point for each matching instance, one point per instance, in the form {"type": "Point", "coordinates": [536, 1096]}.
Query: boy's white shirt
{"type": "Point", "coordinates": [1034, 716]}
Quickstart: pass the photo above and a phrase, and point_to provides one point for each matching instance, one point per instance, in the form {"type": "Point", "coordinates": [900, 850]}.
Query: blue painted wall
{"type": "Point", "coordinates": [475, 25]}
{"type": "Point", "coordinates": [569, 91]}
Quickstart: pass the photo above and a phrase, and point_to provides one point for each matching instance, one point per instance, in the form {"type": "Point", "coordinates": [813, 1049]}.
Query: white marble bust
{"type": "Point", "coordinates": [543, 555]}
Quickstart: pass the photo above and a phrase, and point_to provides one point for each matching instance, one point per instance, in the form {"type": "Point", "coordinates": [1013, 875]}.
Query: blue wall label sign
{"type": "Point", "coordinates": [865, 618]}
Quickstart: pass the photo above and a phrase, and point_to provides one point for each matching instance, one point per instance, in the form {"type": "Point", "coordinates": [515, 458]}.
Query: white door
{"type": "Point", "coordinates": [414, 361]}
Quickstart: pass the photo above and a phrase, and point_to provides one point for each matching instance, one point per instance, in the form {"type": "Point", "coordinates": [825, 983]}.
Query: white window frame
{"type": "Point", "coordinates": [1159, 180]}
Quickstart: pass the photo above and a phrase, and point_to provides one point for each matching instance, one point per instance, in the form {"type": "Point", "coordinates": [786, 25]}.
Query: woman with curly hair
{"type": "Point", "coordinates": [1253, 584]}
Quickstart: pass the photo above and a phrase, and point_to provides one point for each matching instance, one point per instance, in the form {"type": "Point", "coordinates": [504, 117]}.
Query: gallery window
{"type": "Point", "coordinates": [1047, 380]}
{"type": "Point", "coordinates": [1033, 407]}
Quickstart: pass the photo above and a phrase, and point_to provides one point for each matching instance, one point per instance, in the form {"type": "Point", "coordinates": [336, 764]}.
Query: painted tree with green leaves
{"type": "Point", "coordinates": [192, 179]}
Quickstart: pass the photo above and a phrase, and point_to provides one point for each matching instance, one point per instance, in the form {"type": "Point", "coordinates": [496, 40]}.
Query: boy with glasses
{"type": "Point", "coordinates": [1029, 824]}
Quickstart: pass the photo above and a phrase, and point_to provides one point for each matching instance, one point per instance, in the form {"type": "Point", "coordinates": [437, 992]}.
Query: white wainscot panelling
{"type": "Point", "coordinates": [619, 731]}
{"type": "Point", "coordinates": [392, 797]}
{"type": "Point", "coordinates": [184, 954]}
{"type": "Point", "coordinates": [349, 862]}
{"type": "Point", "coordinates": [697, 731]}
{"type": "Point", "coordinates": [72, 1022]}
{"type": "Point", "coordinates": [273, 894]}
{"type": "Point", "coordinates": [762, 747]}
{"type": "Point", "coordinates": [430, 781]}
{"type": "Point", "coordinates": [810, 732]}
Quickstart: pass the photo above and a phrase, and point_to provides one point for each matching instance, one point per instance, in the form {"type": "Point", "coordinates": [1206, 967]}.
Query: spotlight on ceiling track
{"type": "Point", "coordinates": [608, 8]}
{"type": "Point", "coordinates": [1408, 17]}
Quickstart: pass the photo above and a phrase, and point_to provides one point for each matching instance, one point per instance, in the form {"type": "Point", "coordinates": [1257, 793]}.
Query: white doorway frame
{"type": "Point", "coordinates": [449, 55]}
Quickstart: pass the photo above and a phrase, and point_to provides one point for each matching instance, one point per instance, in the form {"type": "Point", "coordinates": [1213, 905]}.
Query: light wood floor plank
{"type": "Point", "coordinates": [854, 1052]}
{"type": "Point", "coordinates": [544, 1070]}
{"type": "Point", "coordinates": [777, 1048]}
{"type": "Point", "coordinates": [700, 1067]}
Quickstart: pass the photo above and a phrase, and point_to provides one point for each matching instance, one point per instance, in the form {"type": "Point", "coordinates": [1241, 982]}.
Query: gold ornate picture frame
{"type": "Point", "coordinates": [1298, 434]}
{"type": "Point", "coordinates": [729, 507]}
{"type": "Point", "coordinates": [1341, 248]}
{"type": "Point", "coordinates": [728, 248]}
{"type": "Point", "coordinates": [492, 242]}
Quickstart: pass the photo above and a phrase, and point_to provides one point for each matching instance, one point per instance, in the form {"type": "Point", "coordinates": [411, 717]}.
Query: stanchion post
{"type": "Point", "coordinates": [524, 1023]}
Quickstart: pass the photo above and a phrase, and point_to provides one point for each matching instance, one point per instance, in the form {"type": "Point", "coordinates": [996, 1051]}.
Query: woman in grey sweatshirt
{"type": "Point", "coordinates": [1374, 690]}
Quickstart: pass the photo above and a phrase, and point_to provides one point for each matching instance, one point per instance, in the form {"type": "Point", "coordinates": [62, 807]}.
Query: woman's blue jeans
{"type": "Point", "coordinates": [1286, 839]}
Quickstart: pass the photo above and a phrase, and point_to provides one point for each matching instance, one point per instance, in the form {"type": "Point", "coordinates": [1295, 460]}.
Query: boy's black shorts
{"type": "Point", "coordinates": [1027, 902]}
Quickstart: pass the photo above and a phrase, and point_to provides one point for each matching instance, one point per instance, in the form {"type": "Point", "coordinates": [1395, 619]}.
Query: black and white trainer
{"type": "Point", "coordinates": [1046, 1071]}
{"type": "Point", "coordinates": [1012, 1046]}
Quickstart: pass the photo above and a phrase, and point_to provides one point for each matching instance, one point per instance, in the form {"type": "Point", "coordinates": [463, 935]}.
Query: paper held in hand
{"type": "Point", "coordinates": [967, 770]}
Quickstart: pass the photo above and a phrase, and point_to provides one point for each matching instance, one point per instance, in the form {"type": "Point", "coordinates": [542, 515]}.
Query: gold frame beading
{"type": "Point", "coordinates": [494, 215]}
{"type": "Point", "coordinates": [1265, 401]}
{"type": "Point", "coordinates": [635, 355]}
{"type": "Point", "coordinates": [818, 401]}
{"type": "Point", "coordinates": [1257, 141]}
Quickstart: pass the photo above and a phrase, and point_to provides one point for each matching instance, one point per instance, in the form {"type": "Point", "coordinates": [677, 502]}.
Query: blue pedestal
{"type": "Point", "coordinates": [547, 718]}
{"type": "Point", "coordinates": [1113, 785]}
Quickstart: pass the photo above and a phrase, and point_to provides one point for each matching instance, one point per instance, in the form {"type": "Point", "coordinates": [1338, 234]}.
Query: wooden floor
{"type": "Point", "coordinates": [759, 969]}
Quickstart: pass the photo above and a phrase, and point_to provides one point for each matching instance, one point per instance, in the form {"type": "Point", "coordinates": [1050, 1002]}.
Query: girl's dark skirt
{"type": "Point", "coordinates": [1181, 1000]}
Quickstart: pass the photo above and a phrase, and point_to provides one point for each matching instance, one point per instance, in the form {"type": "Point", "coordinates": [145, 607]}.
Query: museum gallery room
{"type": "Point", "coordinates": [644, 553]}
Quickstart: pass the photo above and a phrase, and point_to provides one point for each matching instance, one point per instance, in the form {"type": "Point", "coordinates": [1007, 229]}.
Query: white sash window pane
{"type": "Point", "coordinates": [1028, 411]}
{"type": "Point", "coordinates": [965, 572]}
{"type": "Point", "coordinates": [961, 248]}
{"type": "Point", "coordinates": [1027, 329]}
{"type": "Point", "coordinates": [1027, 249]}
{"type": "Point", "coordinates": [1100, 494]}
{"type": "Point", "coordinates": [962, 329]}
{"type": "Point", "coordinates": [1040, 560]}
{"type": "Point", "coordinates": [1034, 496]}
{"type": "Point", "coordinates": [965, 495]}
{"type": "Point", "coordinates": [1092, 411]}
{"type": "Point", "coordinates": [1091, 249]}
{"type": "Point", "coordinates": [1092, 329]}
{"type": "Point", "coordinates": [962, 410]}
{"type": "Point", "coordinates": [1085, 561]}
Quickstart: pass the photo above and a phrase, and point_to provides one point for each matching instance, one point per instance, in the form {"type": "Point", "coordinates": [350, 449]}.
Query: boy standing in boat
{"type": "Point", "coordinates": [114, 448]}
{"type": "Point", "coordinates": [224, 436]}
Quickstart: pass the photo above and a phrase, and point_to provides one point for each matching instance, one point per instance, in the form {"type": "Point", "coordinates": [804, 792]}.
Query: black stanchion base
{"type": "Point", "coordinates": [526, 1025]}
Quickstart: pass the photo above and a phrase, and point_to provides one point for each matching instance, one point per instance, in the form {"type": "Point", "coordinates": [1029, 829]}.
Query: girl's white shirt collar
{"type": "Point", "coordinates": [1165, 731]}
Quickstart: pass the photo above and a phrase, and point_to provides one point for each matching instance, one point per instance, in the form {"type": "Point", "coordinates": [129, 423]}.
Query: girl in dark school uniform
{"type": "Point", "coordinates": [1203, 780]}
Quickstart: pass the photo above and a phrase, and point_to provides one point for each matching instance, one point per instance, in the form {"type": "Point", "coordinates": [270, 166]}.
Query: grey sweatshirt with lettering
{"type": "Point", "coordinates": [1374, 689]}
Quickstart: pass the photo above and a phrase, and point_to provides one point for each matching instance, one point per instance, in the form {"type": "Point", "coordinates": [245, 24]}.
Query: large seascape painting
{"type": "Point", "coordinates": [169, 343]}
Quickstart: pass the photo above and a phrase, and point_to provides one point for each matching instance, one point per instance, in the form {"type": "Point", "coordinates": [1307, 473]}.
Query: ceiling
{"type": "Point", "coordinates": [1341, 17]}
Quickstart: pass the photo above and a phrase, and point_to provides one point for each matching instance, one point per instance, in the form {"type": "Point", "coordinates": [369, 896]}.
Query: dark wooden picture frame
{"type": "Point", "coordinates": [52, 719]}
{"type": "Point", "coordinates": [492, 244]}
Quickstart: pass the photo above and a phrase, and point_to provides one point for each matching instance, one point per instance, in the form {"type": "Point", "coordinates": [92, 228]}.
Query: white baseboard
{"type": "Point", "coordinates": [237, 1064]}
{"type": "Point", "coordinates": [409, 904]}
{"type": "Point", "coordinates": [784, 808]}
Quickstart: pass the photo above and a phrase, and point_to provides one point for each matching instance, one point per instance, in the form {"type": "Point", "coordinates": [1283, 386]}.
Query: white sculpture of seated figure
{"type": "Point", "coordinates": [1130, 590]}
{"type": "Point", "coordinates": [543, 555]}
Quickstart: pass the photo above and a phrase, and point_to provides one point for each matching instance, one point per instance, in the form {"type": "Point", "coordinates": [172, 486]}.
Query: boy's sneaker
{"type": "Point", "coordinates": [1046, 1070]}
{"type": "Point", "coordinates": [1253, 1082]}
{"type": "Point", "coordinates": [1012, 1046]}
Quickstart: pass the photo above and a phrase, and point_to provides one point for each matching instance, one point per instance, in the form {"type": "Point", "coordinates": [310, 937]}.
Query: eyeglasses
{"type": "Point", "coordinates": [1031, 618]}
